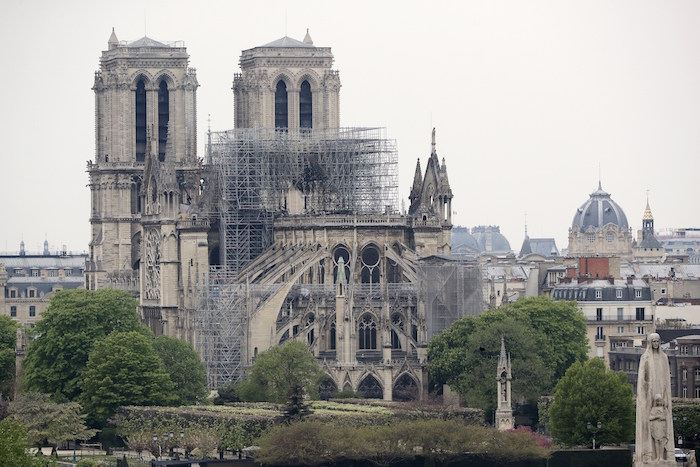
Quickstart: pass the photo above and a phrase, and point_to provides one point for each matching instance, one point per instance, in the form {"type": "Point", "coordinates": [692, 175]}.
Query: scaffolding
{"type": "Point", "coordinates": [351, 170]}
{"type": "Point", "coordinates": [451, 291]}
{"type": "Point", "coordinates": [261, 175]}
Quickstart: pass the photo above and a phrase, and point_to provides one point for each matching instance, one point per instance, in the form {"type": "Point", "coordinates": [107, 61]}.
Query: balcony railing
{"type": "Point", "coordinates": [619, 318]}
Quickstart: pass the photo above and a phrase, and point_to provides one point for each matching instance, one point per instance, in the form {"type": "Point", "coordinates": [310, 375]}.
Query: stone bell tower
{"type": "Point", "coordinates": [287, 84]}
{"type": "Point", "coordinates": [145, 177]}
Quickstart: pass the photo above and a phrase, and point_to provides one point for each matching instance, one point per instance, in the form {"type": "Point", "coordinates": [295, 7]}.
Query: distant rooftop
{"type": "Point", "coordinates": [287, 41]}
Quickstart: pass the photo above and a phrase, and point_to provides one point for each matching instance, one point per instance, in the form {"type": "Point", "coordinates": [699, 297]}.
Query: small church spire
{"type": "Point", "coordinates": [417, 183]}
{"type": "Point", "coordinates": [307, 38]}
{"type": "Point", "coordinates": [504, 413]}
{"type": "Point", "coordinates": [113, 42]}
{"type": "Point", "coordinates": [432, 144]}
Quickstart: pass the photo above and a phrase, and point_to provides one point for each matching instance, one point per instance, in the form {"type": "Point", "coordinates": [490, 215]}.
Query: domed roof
{"type": "Point", "coordinates": [599, 211]}
{"type": "Point", "coordinates": [490, 239]}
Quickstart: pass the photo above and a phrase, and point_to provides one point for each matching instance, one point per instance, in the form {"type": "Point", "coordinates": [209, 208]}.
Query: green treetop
{"type": "Point", "coordinates": [63, 338]}
{"type": "Point", "coordinates": [278, 370]}
{"type": "Point", "coordinates": [589, 394]}
{"type": "Point", "coordinates": [187, 372]}
{"type": "Point", "coordinates": [123, 369]}
{"type": "Point", "coordinates": [542, 336]}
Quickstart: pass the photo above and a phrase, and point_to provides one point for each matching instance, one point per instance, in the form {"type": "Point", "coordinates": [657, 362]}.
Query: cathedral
{"type": "Point", "coordinates": [288, 227]}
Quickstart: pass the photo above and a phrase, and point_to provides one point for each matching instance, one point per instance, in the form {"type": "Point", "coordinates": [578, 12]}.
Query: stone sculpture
{"type": "Point", "coordinates": [654, 427]}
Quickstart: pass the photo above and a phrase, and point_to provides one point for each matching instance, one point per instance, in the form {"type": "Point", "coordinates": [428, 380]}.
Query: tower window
{"type": "Point", "coordinates": [305, 106]}
{"type": "Point", "coordinates": [281, 115]}
{"type": "Point", "coordinates": [140, 114]}
{"type": "Point", "coordinates": [32, 311]}
{"type": "Point", "coordinates": [163, 118]}
{"type": "Point", "coordinates": [13, 311]}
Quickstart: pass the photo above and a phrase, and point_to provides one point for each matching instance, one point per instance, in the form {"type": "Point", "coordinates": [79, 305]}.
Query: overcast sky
{"type": "Point", "coordinates": [531, 100]}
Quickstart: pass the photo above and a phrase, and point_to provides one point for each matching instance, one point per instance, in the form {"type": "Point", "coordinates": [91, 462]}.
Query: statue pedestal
{"type": "Point", "coordinates": [504, 419]}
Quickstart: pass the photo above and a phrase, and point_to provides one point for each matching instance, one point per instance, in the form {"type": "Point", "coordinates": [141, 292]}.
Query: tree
{"type": "Point", "coordinates": [46, 420]}
{"type": "Point", "coordinates": [543, 337]}
{"type": "Point", "coordinates": [187, 372]}
{"type": "Point", "coordinates": [278, 369]}
{"type": "Point", "coordinates": [587, 394]}
{"type": "Point", "coordinates": [13, 445]}
{"type": "Point", "coordinates": [123, 369]}
{"type": "Point", "coordinates": [75, 320]}
{"type": "Point", "coordinates": [8, 330]}
{"type": "Point", "coordinates": [467, 361]}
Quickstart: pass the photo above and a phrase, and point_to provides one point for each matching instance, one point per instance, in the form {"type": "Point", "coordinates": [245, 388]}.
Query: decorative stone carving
{"type": "Point", "coordinates": [654, 427]}
{"type": "Point", "coordinates": [152, 273]}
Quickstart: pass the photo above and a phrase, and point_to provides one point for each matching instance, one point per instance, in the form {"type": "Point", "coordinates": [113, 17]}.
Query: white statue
{"type": "Point", "coordinates": [654, 427]}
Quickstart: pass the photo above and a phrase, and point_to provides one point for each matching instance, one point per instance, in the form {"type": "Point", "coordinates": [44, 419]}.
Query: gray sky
{"type": "Point", "coordinates": [531, 99]}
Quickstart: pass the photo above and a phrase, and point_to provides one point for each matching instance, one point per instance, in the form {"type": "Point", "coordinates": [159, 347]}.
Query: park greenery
{"type": "Point", "coordinates": [13, 445]}
{"type": "Point", "coordinates": [434, 439]}
{"type": "Point", "coordinates": [186, 370]}
{"type": "Point", "coordinates": [8, 330]}
{"type": "Point", "coordinates": [48, 421]}
{"type": "Point", "coordinates": [543, 337]}
{"type": "Point", "coordinates": [123, 369]}
{"type": "Point", "coordinates": [588, 394]}
{"type": "Point", "coordinates": [63, 339]}
{"type": "Point", "coordinates": [91, 348]}
{"type": "Point", "coordinates": [203, 430]}
{"type": "Point", "coordinates": [279, 371]}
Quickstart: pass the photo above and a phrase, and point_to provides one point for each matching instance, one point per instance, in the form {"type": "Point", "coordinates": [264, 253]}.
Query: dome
{"type": "Point", "coordinates": [490, 239]}
{"type": "Point", "coordinates": [599, 211]}
{"type": "Point", "coordinates": [462, 241]}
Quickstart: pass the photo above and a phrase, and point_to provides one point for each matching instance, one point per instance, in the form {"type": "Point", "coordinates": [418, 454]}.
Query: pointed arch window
{"type": "Point", "coordinates": [370, 265]}
{"type": "Point", "coordinates": [305, 106]}
{"type": "Point", "coordinates": [281, 105]}
{"type": "Point", "coordinates": [140, 119]}
{"type": "Point", "coordinates": [163, 118]}
{"type": "Point", "coordinates": [332, 336]}
{"type": "Point", "coordinates": [368, 333]}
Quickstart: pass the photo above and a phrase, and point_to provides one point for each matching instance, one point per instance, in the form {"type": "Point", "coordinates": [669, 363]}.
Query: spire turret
{"type": "Point", "coordinates": [307, 38]}
{"type": "Point", "coordinates": [113, 42]}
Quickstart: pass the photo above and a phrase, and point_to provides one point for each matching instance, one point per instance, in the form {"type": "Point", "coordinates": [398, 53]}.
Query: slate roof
{"type": "Point", "coordinates": [287, 41]}
{"type": "Point", "coordinates": [599, 211]}
{"type": "Point", "coordinates": [585, 291]}
{"type": "Point", "coordinates": [146, 41]}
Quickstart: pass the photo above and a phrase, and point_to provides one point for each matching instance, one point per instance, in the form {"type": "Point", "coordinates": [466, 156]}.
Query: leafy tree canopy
{"type": "Point", "coordinates": [543, 337]}
{"type": "Point", "coordinates": [47, 420]}
{"type": "Point", "coordinates": [587, 394]}
{"type": "Point", "coordinates": [187, 372]}
{"type": "Point", "coordinates": [75, 320]}
{"type": "Point", "coordinates": [123, 369]}
{"type": "Point", "coordinates": [8, 330]}
{"type": "Point", "coordinates": [277, 370]}
{"type": "Point", "coordinates": [13, 445]}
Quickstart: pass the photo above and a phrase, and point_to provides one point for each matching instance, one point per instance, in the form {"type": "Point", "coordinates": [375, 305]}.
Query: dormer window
{"type": "Point", "coordinates": [598, 293]}
{"type": "Point", "coordinates": [618, 293]}
{"type": "Point", "coordinates": [638, 293]}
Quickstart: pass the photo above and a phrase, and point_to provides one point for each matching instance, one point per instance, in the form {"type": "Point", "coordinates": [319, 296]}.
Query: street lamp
{"type": "Point", "coordinates": [182, 442]}
{"type": "Point", "coordinates": [594, 429]}
{"type": "Point", "coordinates": [75, 436]}
{"type": "Point", "coordinates": [160, 451]}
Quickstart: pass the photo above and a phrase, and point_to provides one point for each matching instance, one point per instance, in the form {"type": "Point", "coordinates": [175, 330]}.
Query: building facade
{"type": "Point", "coordinates": [289, 229]}
{"type": "Point", "coordinates": [617, 312]}
{"type": "Point", "coordinates": [145, 182]}
{"type": "Point", "coordinates": [28, 281]}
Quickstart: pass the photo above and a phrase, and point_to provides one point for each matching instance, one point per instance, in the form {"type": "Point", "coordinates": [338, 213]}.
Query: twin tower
{"type": "Point", "coordinates": [149, 229]}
